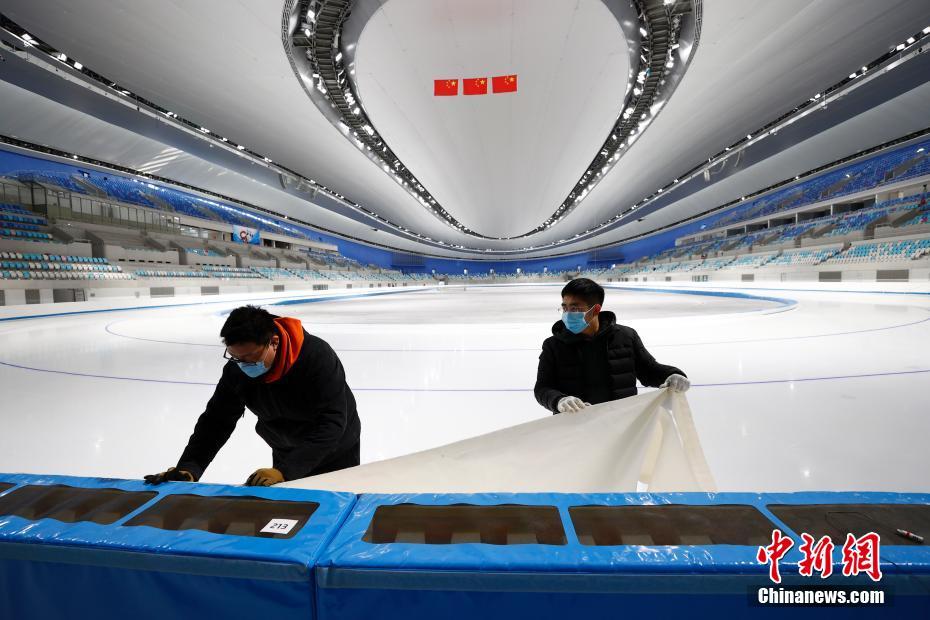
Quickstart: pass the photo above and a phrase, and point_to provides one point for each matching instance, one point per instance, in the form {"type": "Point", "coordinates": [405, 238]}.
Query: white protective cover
{"type": "Point", "coordinates": [643, 443]}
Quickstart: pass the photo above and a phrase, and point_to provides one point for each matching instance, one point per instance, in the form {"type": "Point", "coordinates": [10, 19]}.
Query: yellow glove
{"type": "Point", "coordinates": [264, 477]}
{"type": "Point", "coordinates": [171, 475]}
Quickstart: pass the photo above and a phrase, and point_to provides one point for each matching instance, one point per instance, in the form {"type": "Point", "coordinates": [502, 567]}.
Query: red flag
{"type": "Point", "coordinates": [504, 83]}
{"type": "Point", "coordinates": [445, 88]}
{"type": "Point", "coordinates": [475, 86]}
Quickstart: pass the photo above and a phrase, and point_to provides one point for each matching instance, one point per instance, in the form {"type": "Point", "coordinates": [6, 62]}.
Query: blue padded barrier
{"type": "Point", "coordinates": [53, 569]}
{"type": "Point", "coordinates": [573, 580]}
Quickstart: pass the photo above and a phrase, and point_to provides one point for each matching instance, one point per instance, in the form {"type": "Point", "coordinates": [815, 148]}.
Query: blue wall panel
{"type": "Point", "coordinates": [53, 569]}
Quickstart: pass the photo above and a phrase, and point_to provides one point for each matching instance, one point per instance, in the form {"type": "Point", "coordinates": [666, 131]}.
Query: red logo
{"type": "Point", "coordinates": [860, 555]}
{"type": "Point", "coordinates": [774, 552]}
{"type": "Point", "coordinates": [817, 557]}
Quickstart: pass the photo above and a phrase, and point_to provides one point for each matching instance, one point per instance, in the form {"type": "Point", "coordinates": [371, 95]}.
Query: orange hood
{"type": "Point", "coordinates": [291, 334]}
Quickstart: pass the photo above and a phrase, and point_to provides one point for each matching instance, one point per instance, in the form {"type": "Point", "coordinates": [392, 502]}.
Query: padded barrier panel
{"type": "Point", "coordinates": [673, 524]}
{"type": "Point", "coordinates": [72, 504]}
{"type": "Point", "coordinates": [5, 486]}
{"type": "Point", "coordinates": [710, 572]}
{"type": "Point", "coordinates": [445, 525]}
{"type": "Point", "coordinates": [836, 520]}
{"type": "Point", "coordinates": [55, 569]}
{"type": "Point", "coordinates": [241, 516]}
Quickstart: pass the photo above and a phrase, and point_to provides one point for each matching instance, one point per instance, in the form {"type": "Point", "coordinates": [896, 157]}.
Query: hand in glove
{"type": "Point", "coordinates": [264, 477]}
{"type": "Point", "coordinates": [676, 383]}
{"type": "Point", "coordinates": [571, 404]}
{"type": "Point", "coordinates": [171, 475]}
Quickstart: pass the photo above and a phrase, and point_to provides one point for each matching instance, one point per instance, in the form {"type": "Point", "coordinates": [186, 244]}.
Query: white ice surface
{"type": "Point", "coordinates": [828, 394]}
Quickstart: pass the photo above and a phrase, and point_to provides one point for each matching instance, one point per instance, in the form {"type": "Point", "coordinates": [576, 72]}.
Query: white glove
{"type": "Point", "coordinates": [571, 404]}
{"type": "Point", "coordinates": [677, 383]}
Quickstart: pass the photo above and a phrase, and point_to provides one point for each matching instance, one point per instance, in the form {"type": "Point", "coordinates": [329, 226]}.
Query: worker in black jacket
{"type": "Point", "coordinates": [590, 359]}
{"type": "Point", "coordinates": [295, 384]}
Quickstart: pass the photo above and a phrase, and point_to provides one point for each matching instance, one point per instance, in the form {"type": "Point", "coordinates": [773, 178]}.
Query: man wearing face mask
{"type": "Point", "coordinates": [295, 385]}
{"type": "Point", "coordinates": [591, 359]}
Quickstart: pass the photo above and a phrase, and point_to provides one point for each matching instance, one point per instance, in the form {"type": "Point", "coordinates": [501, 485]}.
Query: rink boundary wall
{"type": "Point", "coordinates": [283, 300]}
{"type": "Point", "coordinates": [328, 571]}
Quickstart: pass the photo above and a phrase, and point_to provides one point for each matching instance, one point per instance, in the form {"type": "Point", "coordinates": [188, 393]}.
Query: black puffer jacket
{"type": "Point", "coordinates": [308, 416]}
{"type": "Point", "coordinates": [596, 369]}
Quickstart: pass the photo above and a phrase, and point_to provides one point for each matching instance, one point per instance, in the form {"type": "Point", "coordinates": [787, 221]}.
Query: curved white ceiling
{"type": "Point", "coordinates": [221, 63]}
{"type": "Point", "coordinates": [499, 163]}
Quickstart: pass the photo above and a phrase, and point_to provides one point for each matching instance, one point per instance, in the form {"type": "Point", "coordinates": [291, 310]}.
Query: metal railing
{"type": "Point", "coordinates": [65, 205]}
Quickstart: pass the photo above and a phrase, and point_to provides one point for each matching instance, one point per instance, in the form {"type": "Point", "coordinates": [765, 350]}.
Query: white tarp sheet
{"type": "Point", "coordinates": [643, 443]}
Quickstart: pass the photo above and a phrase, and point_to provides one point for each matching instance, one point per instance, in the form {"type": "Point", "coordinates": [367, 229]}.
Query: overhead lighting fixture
{"type": "Point", "coordinates": [62, 57]}
{"type": "Point", "coordinates": [910, 40]}
{"type": "Point", "coordinates": [78, 66]}
{"type": "Point", "coordinates": [643, 31]}
{"type": "Point", "coordinates": [637, 92]}
{"type": "Point", "coordinates": [749, 136]}
{"type": "Point", "coordinates": [240, 147]}
{"type": "Point", "coordinates": [900, 47]}
{"type": "Point", "coordinates": [27, 36]}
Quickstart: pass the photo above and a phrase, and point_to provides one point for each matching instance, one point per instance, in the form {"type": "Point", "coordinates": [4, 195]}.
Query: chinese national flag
{"type": "Point", "coordinates": [475, 86]}
{"type": "Point", "coordinates": [445, 88]}
{"type": "Point", "coordinates": [504, 83]}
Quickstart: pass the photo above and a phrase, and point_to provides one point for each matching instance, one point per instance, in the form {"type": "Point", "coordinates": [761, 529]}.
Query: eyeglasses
{"type": "Point", "coordinates": [233, 358]}
{"type": "Point", "coordinates": [564, 308]}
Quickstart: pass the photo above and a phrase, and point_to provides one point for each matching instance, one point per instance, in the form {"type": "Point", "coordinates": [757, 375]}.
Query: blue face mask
{"type": "Point", "coordinates": [253, 370]}
{"type": "Point", "coordinates": [574, 321]}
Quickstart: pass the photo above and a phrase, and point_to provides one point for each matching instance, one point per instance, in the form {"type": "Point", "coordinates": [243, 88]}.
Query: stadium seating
{"type": "Point", "coordinates": [750, 261]}
{"type": "Point", "coordinates": [884, 251]}
{"type": "Point", "coordinates": [752, 239]}
{"type": "Point", "coordinates": [63, 180]}
{"type": "Point", "coordinates": [802, 257]}
{"type": "Point", "coordinates": [222, 271]}
{"type": "Point", "coordinates": [24, 235]}
{"type": "Point", "coordinates": [856, 221]}
{"type": "Point", "coordinates": [846, 180]}
{"type": "Point", "coordinates": [307, 274]}
{"type": "Point", "coordinates": [122, 189]}
{"type": "Point", "coordinates": [791, 232]}
{"type": "Point", "coordinates": [920, 219]}
{"type": "Point", "coordinates": [161, 273]}
{"type": "Point", "coordinates": [274, 273]}
{"type": "Point", "coordinates": [32, 266]}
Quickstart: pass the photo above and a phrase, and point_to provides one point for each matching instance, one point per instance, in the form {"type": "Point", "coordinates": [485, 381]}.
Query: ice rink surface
{"type": "Point", "coordinates": [818, 391]}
